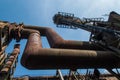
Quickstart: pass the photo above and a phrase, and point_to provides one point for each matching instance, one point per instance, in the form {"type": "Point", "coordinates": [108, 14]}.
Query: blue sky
{"type": "Point", "coordinates": [40, 13]}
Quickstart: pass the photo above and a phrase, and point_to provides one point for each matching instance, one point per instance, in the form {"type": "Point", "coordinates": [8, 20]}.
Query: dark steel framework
{"type": "Point", "coordinates": [102, 51]}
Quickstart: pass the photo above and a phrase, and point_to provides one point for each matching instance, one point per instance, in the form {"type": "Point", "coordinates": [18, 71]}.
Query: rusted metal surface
{"type": "Point", "coordinates": [2, 58]}
{"type": "Point", "coordinates": [11, 60]}
{"type": "Point", "coordinates": [42, 30]}
{"type": "Point", "coordinates": [62, 54]}
{"type": "Point", "coordinates": [0, 39]}
{"type": "Point", "coordinates": [57, 41]}
{"type": "Point", "coordinates": [113, 21]}
{"type": "Point", "coordinates": [2, 55]}
{"type": "Point", "coordinates": [26, 32]}
{"type": "Point", "coordinates": [66, 77]}
{"type": "Point", "coordinates": [36, 57]}
{"type": "Point", "coordinates": [114, 17]}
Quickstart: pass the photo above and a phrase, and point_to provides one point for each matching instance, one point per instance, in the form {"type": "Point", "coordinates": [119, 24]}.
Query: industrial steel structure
{"type": "Point", "coordinates": [101, 51]}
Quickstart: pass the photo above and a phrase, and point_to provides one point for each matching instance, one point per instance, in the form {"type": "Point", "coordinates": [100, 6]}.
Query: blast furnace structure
{"type": "Point", "coordinates": [101, 51]}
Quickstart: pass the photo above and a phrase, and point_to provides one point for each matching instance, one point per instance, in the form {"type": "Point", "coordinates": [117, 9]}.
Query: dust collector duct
{"type": "Point", "coordinates": [57, 41]}
{"type": "Point", "coordinates": [36, 57]}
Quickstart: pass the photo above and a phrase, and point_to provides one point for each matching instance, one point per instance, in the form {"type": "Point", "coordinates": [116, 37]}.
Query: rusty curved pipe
{"type": "Point", "coordinates": [26, 32]}
{"type": "Point", "coordinates": [36, 57]}
{"type": "Point", "coordinates": [56, 41]}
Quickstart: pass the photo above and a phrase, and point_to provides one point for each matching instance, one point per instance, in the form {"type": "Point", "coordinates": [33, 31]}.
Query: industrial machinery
{"type": "Point", "coordinates": [101, 51]}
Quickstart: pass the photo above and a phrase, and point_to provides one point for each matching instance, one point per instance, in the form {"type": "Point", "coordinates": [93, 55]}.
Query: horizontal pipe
{"type": "Point", "coordinates": [57, 41]}
{"type": "Point", "coordinates": [36, 57]}
{"type": "Point", "coordinates": [26, 32]}
{"type": "Point", "coordinates": [42, 30]}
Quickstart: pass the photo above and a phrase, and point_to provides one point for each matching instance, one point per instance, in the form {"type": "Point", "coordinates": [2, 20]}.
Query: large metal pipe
{"type": "Point", "coordinates": [36, 57]}
{"type": "Point", "coordinates": [57, 41]}
{"type": "Point", "coordinates": [26, 32]}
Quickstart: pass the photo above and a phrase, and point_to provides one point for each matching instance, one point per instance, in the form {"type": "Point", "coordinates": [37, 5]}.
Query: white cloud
{"type": "Point", "coordinates": [98, 8]}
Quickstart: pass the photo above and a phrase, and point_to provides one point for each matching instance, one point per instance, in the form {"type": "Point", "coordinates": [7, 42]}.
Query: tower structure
{"type": "Point", "coordinates": [102, 51]}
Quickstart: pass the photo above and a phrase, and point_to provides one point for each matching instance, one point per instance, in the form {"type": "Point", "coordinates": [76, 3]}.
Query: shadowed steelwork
{"type": "Point", "coordinates": [36, 57]}
{"type": "Point", "coordinates": [101, 51]}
